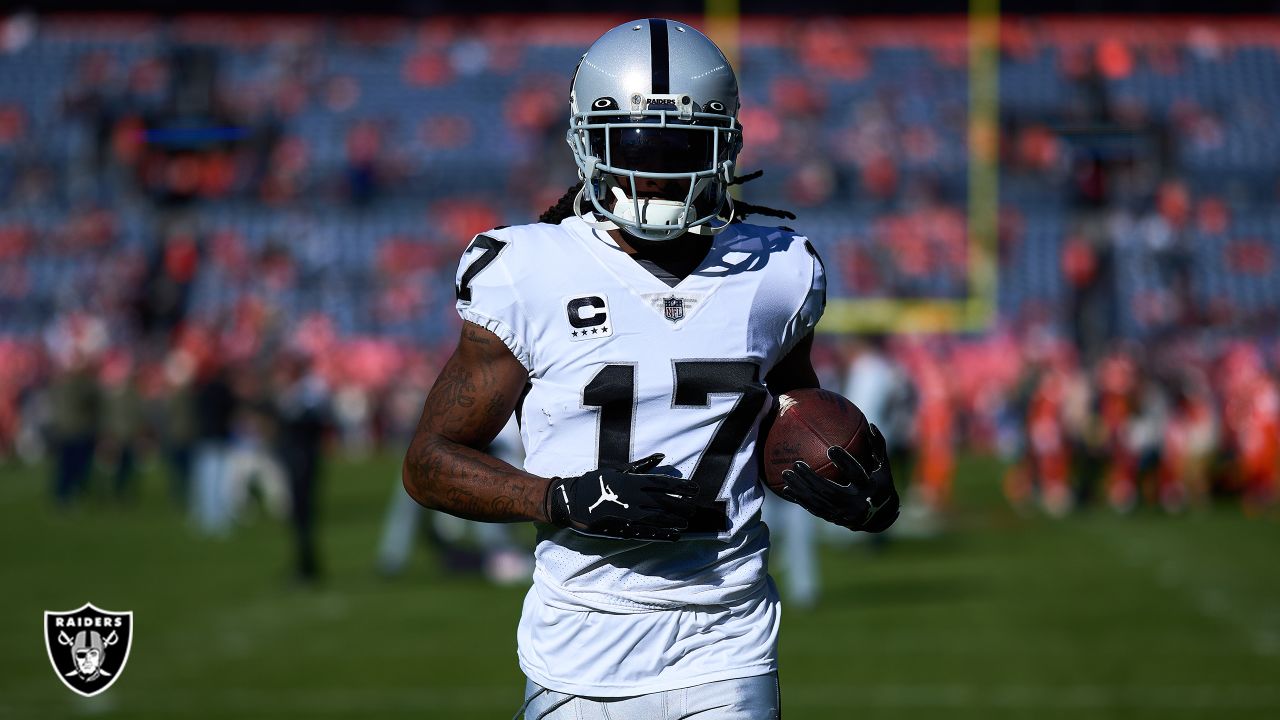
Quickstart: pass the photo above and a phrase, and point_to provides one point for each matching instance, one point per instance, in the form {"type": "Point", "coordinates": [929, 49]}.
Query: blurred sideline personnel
{"type": "Point", "coordinates": [215, 403]}
{"type": "Point", "coordinates": [303, 412]}
{"type": "Point", "coordinates": [75, 401]}
{"type": "Point", "coordinates": [499, 555]}
{"type": "Point", "coordinates": [639, 331]}
{"type": "Point", "coordinates": [881, 388]}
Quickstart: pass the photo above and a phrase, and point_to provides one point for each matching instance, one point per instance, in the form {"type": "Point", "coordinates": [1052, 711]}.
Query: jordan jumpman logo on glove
{"type": "Point", "coordinates": [641, 505]}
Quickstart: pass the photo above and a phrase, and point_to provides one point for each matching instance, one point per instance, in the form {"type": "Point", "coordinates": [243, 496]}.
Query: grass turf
{"type": "Point", "coordinates": [1096, 616]}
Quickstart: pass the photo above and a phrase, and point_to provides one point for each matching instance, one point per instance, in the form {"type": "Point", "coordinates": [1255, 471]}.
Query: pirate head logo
{"type": "Point", "coordinates": [88, 647]}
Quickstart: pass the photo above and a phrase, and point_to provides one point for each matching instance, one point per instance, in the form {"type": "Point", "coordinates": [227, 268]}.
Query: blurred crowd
{"type": "Point", "coordinates": [1171, 426]}
{"type": "Point", "coordinates": [226, 242]}
{"type": "Point", "coordinates": [231, 436]}
{"type": "Point", "coordinates": [237, 435]}
{"type": "Point", "coordinates": [205, 167]}
{"type": "Point", "coordinates": [1170, 429]}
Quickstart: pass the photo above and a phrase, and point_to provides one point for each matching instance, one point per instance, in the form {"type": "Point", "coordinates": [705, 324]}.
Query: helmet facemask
{"type": "Point", "coordinates": [620, 154]}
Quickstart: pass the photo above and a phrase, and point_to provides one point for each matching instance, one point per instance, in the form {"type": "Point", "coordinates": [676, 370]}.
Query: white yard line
{"type": "Point", "coordinates": [1212, 602]}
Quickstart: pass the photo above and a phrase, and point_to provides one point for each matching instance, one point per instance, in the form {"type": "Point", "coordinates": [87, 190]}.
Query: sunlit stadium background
{"type": "Point", "coordinates": [1057, 221]}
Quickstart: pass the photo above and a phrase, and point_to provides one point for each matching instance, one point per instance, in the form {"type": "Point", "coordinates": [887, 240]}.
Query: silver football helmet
{"type": "Point", "coordinates": [655, 105]}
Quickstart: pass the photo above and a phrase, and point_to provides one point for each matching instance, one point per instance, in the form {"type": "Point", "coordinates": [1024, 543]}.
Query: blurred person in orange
{"type": "Point", "coordinates": [935, 433]}
{"type": "Point", "coordinates": [1046, 435]}
{"type": "Point", "coordinates": [1116, 405]}
{"type": "Point", "coordinates": [1253, 420]}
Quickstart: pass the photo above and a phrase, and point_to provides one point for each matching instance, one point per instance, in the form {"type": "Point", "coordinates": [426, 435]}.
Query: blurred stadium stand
{"type": "Point", "coordinates": [220, 188]}
{"type": "Point", "coordinates": [356, 157]}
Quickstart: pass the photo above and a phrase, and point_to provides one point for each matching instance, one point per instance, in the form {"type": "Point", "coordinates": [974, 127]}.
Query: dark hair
{"type": "Point", "coordinates": [563, 208]}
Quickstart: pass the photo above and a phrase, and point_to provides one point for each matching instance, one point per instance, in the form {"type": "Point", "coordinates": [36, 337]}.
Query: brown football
{"type": "Point", "coordinates": [808, 421]}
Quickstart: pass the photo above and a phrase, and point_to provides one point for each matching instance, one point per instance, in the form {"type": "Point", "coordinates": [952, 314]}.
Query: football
{"type": "Point", "coordinates": [806, 423]}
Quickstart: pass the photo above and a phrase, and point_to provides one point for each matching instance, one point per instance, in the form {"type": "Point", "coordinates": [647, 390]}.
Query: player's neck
{"type": "Point", "coordinates": [682, 245]}
{"type": "Point", "coordinates": [676, 258]}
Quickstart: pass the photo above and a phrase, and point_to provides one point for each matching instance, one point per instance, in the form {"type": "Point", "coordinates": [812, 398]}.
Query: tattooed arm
{"type": "Point", "coordinates": [446, 467]}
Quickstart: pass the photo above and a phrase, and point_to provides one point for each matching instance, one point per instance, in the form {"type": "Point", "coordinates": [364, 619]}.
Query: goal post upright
{"type": "Point", "coordinates": [977, 310]}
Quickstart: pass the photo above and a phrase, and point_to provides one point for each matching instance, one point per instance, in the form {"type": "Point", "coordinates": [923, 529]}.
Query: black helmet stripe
{"type": "Point", "coordinates": [661, 60]}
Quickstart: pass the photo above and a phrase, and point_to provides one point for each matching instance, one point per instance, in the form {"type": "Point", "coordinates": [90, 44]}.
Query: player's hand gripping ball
{"type": "Point", "coordinates": [822, 454]}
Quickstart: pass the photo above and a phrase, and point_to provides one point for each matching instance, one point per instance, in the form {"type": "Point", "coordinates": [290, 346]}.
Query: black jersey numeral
{"type": "Point", "coordinates": [613, 391]}
{"type": "Point", "coordinates": [491, 248]}
{"type": "Point", "coordinates": [696, 382]}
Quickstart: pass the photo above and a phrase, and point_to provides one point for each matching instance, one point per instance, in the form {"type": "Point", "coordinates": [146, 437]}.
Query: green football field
{"type": "Point", "coordinates": [1095, 616]}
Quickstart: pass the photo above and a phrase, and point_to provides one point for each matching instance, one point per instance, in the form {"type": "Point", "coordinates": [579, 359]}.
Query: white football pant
{"type": "Point", "coordinates": [751, 698]}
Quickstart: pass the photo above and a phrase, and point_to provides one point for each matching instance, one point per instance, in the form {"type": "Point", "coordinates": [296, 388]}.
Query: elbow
{"type": "Point", "coordinates": [417, 475]}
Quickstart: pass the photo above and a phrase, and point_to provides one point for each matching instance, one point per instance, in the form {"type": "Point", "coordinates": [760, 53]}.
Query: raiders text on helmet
{"type": "Point", "coordinates": [655, 100]}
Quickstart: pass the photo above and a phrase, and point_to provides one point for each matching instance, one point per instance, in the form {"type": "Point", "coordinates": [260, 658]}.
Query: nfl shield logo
{"type": "Point", "coordinates": [88, 646]}
{"type": "Point", "coordinates": [673, 308]}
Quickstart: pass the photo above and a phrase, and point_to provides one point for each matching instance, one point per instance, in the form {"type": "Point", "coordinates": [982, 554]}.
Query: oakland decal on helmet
{"type": "Point", "coordinates": [88, 646]}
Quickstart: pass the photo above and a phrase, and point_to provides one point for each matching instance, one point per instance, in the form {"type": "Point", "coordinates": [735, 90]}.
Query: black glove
{"type": "Point", "coordinates": [863, 500]}
{"type": "Point", "coordinates": [623, 503]}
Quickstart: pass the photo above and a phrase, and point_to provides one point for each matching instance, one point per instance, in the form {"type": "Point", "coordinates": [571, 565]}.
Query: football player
{"type": "Point", "coordinates": [639, 333]}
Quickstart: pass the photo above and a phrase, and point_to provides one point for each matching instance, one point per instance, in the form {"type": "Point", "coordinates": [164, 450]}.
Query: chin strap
{"type": "Point", "coordinates": [650, 211]}
{"type": "Point", "coordinates": [709, 229]}
{"type": "Point", "coordinates": [590, 218]}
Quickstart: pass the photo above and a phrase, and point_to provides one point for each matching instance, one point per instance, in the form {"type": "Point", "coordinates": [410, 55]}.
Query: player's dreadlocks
{"type": "Point", "coordinates": [745, 208]}
{"type": "Point", "coordinates": [563, 208]}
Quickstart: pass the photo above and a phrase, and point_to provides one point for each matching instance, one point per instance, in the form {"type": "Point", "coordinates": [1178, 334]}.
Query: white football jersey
{"type": "Point", "coordinates": [621, 366]}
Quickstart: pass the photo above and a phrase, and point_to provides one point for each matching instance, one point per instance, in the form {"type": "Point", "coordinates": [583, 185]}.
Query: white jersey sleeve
{"type": "Point", "coordinates": [488, 295]}
{"type": "Point", "coordinates": [811, 306]}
